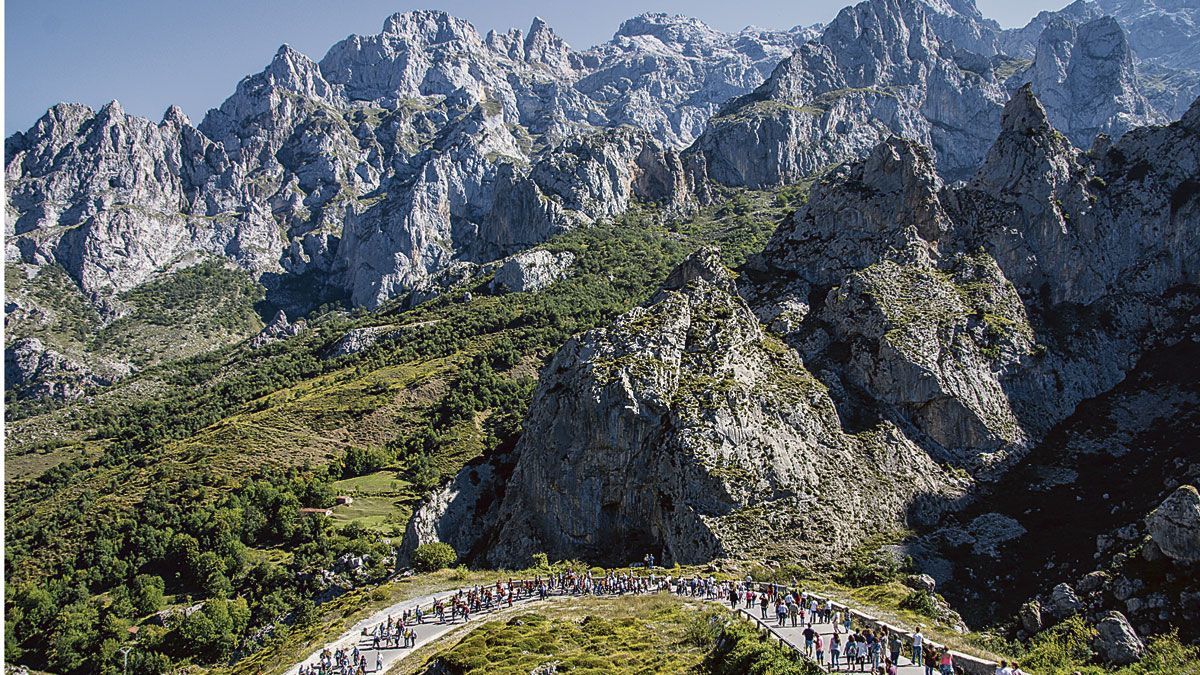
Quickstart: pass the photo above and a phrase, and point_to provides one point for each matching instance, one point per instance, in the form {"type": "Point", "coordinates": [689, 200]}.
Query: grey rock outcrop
{"type": "Point", "coordinates": [685, 430]}
{"type": "Point", "coordinates": [531, 271]}
{"type": "Point", "coordinates": [921, 582]}
{"type": "Point", "coordinates": [899, 67]}
{"type": "Point", "coordinates": [879, 68]}
{"type": "Point", "coordinates": [1175, 525]}
{"type": "Point", "coordinates": [1116, 642]}
{"type": "Point", "coordinates": [357, 340]}
{"type": "Point", "coordinates": [1030, 617]}
{"type": "Point", "coordinates": [1063, 602]}
{"type": "Point", "coordinates": [279, 329]}
{"type": "Point", "coordinates": [1162, 37]}
{"type": "Point", "coordinates": [1084, 75]}
{"type": "Point", "coordinates": [1160, 33]}
{"type": "Point", "coordinates": [35, 371]}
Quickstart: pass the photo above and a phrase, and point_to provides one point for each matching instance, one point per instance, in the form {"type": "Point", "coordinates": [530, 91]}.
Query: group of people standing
{"type": "Point", "coordinates": [849, 648]}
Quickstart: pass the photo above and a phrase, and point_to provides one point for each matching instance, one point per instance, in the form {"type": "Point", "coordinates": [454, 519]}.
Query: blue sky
{"type": "Point", "coordinates": [153, 53]}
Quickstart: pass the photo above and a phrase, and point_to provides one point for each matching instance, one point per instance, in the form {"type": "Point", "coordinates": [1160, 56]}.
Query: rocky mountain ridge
{"type": "Point", "coordinates": [368, 175]}
{"type": "Point", "coordinates": [917, 329]}
{"type": "Point", "coordinates": [887, 67]}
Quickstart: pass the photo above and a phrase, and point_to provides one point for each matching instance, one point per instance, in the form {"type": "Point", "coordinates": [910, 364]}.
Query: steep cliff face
{"type": "Point", "coordinates": [1161, 33]}
{"type": "Point", "coordinates": [410, 139]}
{"type": "Point", "coordinates": [887, 67]}
{"type": "Point", "coordinates": [1162, 37]}
{"type": "Point", "coordinates": [685, 430]}
{"type": "Point", "coordinates": [1084, 74]}
{"type": "Point", "coordinates": [114, 198]}
{"type": "Point", "coordinates": [879, 68]}
{"type": "Point", "coordinates": [933, 325]}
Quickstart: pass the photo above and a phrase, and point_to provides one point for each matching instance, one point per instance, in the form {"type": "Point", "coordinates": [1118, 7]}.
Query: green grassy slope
{"type": "Point", "coordinates": [153, 475]}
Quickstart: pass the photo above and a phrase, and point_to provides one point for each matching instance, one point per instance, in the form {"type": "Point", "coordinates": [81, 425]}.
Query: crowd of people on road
{"type": "Point", "coordinates": [847, 648]}
{"type": "Point", "coordinates": [399, 632]}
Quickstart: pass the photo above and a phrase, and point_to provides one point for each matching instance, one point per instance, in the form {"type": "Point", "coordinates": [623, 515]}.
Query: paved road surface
{"type": "Point", "coordinates": [795, 637]}
{"type": "Point", "coordinates": [431, 631]}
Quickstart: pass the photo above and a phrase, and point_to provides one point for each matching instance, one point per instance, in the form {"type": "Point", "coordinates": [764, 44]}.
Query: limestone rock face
{"type": "Point", "coordinates": [531, 271]}
{"type": "Point", "coordinates": [279, 329]}
{"type": "Point", "coordinates": [35, 371]}
{"type": "Point", "coordinates": [1175, 525]}
{"type": "Point", "coordinates": [881, 67]}
{"type": "Point", "coordinates": [1162, 37]}
{"type": "Point", "coordinates": [927, 302]}
{"type": "Point", "coordinates": [1116, 642]}
{"type": "Point", "coordinates": [1084, 75]}
{"type": "Point", "coordinates": [927, 72]}
{"type": "Point", "coordinates": [1030, 617]}
{"type": "Point", "coordinates": [114, 198]}
{"type": "Point", "coordinates": [395, 155]}
{"type": "Point", "coordinates": [686, 431]}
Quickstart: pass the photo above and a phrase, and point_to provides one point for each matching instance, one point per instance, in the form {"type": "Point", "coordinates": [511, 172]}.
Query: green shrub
{"type": "Point", "coordinates": [1062, 648]}
{"type": "Point", "coordinates": [703, 630]}
{"type": "Point", "coordinates": [868, 569]}
{"type": "Point", "coordinates": [921, 602]}
{"type": "Point", "coordinates": [1166, 654]}
{"type": "Point", "coordinates": [541, 561]}
{"type": "Point", "coordinates": [434, 556]}
{"type": "Point", "coordinates": [741, 649]}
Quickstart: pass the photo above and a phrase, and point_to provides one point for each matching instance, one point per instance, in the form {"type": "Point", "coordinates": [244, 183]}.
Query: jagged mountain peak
{"type": "Point", "coordinates": [705, 264]}
{"type": "Point", "coordinates": [1024, 113]}
{"type": "Point", "coordinates": [1030, 159]}
{"type": "Point", "coordinates": [112, 110]}
{"type": "Point", "coordinates": [296, 72]}
{"type": "Point", "coordinates": [175, 116]}
{"type": "Point", "coordinates": [668, 28]}
{"type": "Point", "coordinates": [428, 26]}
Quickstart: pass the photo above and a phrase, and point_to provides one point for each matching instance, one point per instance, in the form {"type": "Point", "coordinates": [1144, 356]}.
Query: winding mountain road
{"type": "Point", "coordinates": [433, 630]}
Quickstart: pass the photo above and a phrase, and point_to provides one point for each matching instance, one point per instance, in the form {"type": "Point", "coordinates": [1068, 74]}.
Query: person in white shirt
{"type": "Point", "coordinates": [917, 641]}
{"type": "Point", "coordinates": [1003, 669]}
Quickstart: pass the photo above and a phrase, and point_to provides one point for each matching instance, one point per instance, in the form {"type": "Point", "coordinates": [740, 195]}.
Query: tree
{"type": "Point", "coordinates": [209, 574]}
{"type": "Point", "coordinates": [147, 593]}
{"type": "Point", "coordinates": [73, 639]}
{"type": "Point", "coordinates": [434, 556]}
{"type": "Point", "coordinates": [214, 631]}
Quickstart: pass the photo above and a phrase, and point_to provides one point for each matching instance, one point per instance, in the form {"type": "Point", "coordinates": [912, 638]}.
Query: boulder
{"type": "Point", "coordinates": [920, 582]}
{"type": "Point", "coordinates": [1030, 616]}
{"type": "Point", "coordinates": [1175, 525]}
{"type": "Point", "coordinates": [1092, 582]}
{"type": "Point", "coordinates": [358, 339]}
{"type": "Point", "coordinates": [531, 271]}
{"type": "Point", "coordinates": [1116, 642]}
{"type": "Point", "coordinates": [1063, 602]}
